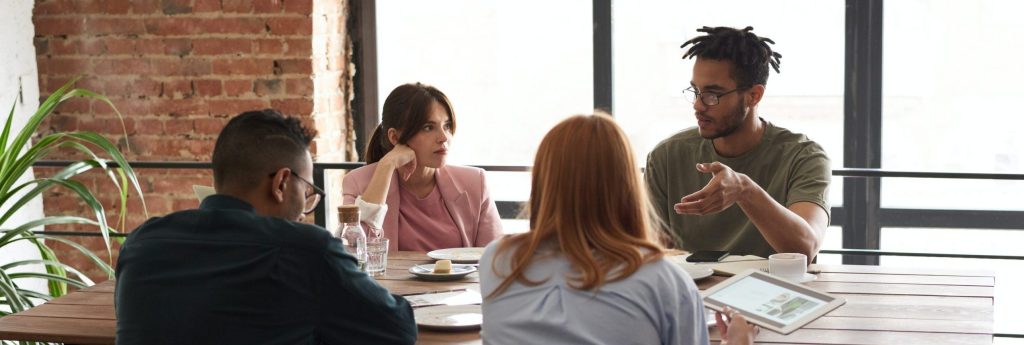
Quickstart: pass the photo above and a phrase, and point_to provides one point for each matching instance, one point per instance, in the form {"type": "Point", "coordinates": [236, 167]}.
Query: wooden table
{"type": "Point", "coordinates": [885, 305]}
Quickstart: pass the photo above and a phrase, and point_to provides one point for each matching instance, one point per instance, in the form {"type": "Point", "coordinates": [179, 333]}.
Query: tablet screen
{"type": "Point", "coordinates": [761, 297]}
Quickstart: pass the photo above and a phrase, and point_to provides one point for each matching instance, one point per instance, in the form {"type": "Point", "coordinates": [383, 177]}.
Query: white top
{"type": "Point", "coordinates": [657, 304]}
{"type": "Point", "coordinates": [372, 214]}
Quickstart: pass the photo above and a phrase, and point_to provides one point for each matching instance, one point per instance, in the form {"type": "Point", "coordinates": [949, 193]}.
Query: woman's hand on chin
{"type": "Point", "coordinates": [403, 159]}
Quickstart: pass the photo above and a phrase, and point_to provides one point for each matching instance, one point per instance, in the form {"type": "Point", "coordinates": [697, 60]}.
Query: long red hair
{"type": "Point", "coordinates": [587, 195]}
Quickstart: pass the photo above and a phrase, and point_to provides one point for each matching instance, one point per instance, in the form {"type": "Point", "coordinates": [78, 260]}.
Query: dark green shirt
{"type": "Point", "coordinates": [222, 274]}
{"type": "Point", "coordinates": [787, 165]}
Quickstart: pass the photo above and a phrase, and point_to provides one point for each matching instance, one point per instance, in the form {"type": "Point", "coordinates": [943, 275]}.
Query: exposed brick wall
{"type": "Point", "coordinates": [178, 70]}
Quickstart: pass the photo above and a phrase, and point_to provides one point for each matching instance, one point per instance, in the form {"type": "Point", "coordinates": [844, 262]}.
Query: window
{"type": "Point", "coordinates": [950, 75]}
{"type": "Point", "coordinates": [512, 69]}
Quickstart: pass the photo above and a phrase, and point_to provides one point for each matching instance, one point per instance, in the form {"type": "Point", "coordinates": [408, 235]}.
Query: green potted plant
{"type": "Point", "coordinates": [18, 152]}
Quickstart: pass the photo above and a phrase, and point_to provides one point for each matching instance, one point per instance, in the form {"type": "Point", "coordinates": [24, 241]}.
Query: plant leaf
{"type": "Point", "coordinates": [81, 277]}
{"type": "Point", "coordinates": [85, 251]}
{"type": "Point", "coordinates": [48, 276]}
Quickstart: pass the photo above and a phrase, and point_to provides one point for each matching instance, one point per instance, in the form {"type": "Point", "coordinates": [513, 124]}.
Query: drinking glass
{"type": "Point", "coordinates": [376, 256]}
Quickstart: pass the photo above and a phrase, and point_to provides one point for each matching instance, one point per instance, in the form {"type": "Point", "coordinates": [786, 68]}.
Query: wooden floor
{"type": "Point", "coordinates": [884, 305]}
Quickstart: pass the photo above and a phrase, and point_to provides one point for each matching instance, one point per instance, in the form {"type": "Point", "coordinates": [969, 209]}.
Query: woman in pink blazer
{"type": "Point", "coordinates": [407, 191]}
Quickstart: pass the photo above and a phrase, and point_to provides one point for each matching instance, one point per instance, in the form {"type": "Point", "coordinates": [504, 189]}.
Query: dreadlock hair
{"type": "Point", "coordinates": [750, 55]}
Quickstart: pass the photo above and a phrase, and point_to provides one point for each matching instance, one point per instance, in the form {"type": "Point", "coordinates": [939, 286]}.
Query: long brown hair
{"type": "Point", "coordinates": [588, 197]}
{"type": "Point", "coordinates": [405, 110]}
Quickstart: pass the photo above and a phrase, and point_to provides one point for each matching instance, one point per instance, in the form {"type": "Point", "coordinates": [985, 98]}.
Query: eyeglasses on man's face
{"type": "Point", "coordinates": [707, 97]}
{"type": "Point", "coordinates": [311, 199]}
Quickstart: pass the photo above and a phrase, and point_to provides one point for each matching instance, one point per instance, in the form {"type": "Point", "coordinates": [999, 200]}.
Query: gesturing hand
{"type": "Point", "coordinates": [723, 191]}
{"type": "Point", "coordinates": [403, 159]}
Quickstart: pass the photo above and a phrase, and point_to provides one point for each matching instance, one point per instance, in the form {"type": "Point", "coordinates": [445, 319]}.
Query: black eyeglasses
{"type": "Point", "coordinates": [311, 199]}
{"type": "Point", "coordinates": [707, 97]}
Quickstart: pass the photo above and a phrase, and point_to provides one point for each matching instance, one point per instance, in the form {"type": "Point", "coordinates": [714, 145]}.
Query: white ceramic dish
{"type": "Point", "coordinates": [449, 317]}
{"type": "Point", "coordinates": [427, 272]}
{"type": "Point", "coordinates": [458, 255]}
{"type": "Point", "coordinates": [698, 273]}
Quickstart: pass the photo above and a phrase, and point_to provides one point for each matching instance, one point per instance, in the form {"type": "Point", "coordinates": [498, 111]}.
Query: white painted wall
{"type": "Point", "coordinates": [18, 71]}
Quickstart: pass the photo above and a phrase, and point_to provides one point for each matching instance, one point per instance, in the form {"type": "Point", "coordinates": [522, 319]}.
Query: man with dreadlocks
{"type": "Point", "coordinates": [737, 182]}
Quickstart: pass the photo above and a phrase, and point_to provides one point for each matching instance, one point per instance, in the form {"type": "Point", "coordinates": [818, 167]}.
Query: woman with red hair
{"type": "Point", "coordinates": [591, 269]}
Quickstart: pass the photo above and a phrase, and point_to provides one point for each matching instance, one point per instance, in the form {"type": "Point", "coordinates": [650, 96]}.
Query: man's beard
{"type": "Point", "coordinates": [732, 122]}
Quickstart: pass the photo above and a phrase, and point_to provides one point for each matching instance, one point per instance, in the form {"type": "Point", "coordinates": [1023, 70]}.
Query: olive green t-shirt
{"type": "Point", "coordinates": [787, 165]}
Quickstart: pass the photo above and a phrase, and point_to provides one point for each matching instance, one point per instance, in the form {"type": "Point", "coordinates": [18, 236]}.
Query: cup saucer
{"type": "Point", "coordinates": [806, 278]}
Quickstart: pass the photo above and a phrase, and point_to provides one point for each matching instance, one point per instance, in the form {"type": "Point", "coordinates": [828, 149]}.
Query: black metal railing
{"type": "Point", "coordinates": [510, 209]}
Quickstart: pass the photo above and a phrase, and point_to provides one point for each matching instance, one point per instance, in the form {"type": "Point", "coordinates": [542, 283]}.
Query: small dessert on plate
{"type": "Point", "coordinates": [443, 267]}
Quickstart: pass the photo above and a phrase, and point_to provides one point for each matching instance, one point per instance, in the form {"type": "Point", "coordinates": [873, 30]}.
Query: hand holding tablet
{"type": "Point", "coordinates": [771, 302]}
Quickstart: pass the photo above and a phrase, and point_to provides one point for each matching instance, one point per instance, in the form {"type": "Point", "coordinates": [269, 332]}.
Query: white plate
{"type": "Point", "coordinates": [460, 255]}
{"type": "Point", "coordinates": [449, 317]}
{"type": "Point", "coordinates": [427, 272]}
{"type": "Point", "coordinates": [808, 278]}
{"type": "Point", "coordinates": [698, 273]}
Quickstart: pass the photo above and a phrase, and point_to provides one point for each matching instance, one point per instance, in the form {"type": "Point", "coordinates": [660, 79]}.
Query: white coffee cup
{"type": "Point", "coordinates": [791, 266]}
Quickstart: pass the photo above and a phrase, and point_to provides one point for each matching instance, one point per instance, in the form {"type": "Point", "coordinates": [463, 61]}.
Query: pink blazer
{"type": "Point", "coordinates": [463, 190]}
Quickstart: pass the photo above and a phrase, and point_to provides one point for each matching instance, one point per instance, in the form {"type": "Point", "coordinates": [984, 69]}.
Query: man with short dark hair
{"type": "Point", "coordinates": [241, 269]}
{"type": "Point", "coordinates": [737, 182]}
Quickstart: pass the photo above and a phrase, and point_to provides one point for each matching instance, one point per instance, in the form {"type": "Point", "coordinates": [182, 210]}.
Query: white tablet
{"type": "Point", "coordinates": [770, 302]}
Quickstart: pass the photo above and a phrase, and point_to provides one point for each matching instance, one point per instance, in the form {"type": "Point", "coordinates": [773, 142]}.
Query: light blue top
{"type": "Point", "coordinates": [658, 304]}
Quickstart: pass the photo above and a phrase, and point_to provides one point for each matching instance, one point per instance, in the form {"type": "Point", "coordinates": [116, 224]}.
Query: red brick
{"type": "Point", "coordinates": [129, 66]}
{"type": "Point", "coordinates": [119, 46]}
{"type": "Point", "coordinates": [290, 26]}
{"type": "Point", "coordinates": [182, 67]}
{"type": "Point", "coordinates": [146, 87]}
{"type": "Point", "coordinates": [243, 67]}
{"type": "Point", "coordinates": [117, 26]}
{"type": "Point", "coordinates": [178, 107]}
{"type": "Point", "coordinates": [172, 185]}
{"type": "Point", "coordinates": [66, 66]}
{"type": "Point", "coordinates": [293, 107]}
{"type": "Point", "coordinates": [237, 6]}
{"type": "Point", "coordinates": [117, 87]}
{"type": "Point", "coordinates": [231, 107]}
{"type": "Point", "coordinates": [300, 47]}
{"type": "Point", "coordinates": [117, 6]}
{"type": "Point", "coordinates": [52, 7]}
{"type": "Point", "coordinates": [179, 47]}
{"type": "Point", "coordinates": [220, 46]}
{"type": "Point", "coordinates": [91, 125]}
{"type": "Point", "coordinates": [164, 26]}
{"type": "Point", "coordinates": [173, 7]}
{"type": "Point", "coordinates": [235, 88]}
{"type": "Point", "coordinates": [204, 6]}
{"type": "Point", "coordinates": [58, 26]}
{"type": "Point", "coordinates": [245, 25]}
{"type": "Point", "coordinates": [185, 204]}
{"type": "Point", "coordinates": [178, 126]}
{"type": "Point", "coordinates": [210, 126]}
{"type": "Point", "coordinates": [301, 6]}
{"type": "Point", "coordinates": [293, 66]}
{"type": "Point", "coordinates": [149, 126]}
{"type": "Point", "coordinates": [178, 88]}
{"type": "Point", "coordinates": [145, 6]}
{"type": "Point", "coordinates": [88, 6]}
{"type": "Point", "coordinates": [267, 87]}
{"type": "Point", "coordinates": [208, 88]}
{"type": "Point", "coordinates": [299, 86]}
{"type": "Point", "coordinates": [266, 6]}
{"type": "Point", "coordinates": [42, 45]}
{"type": "Point", "coordinates": [59, 46]}
{"type": "Point", "coordinates": [149, 46]}
{"type": "Point", "coordinates": [269, 46]}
